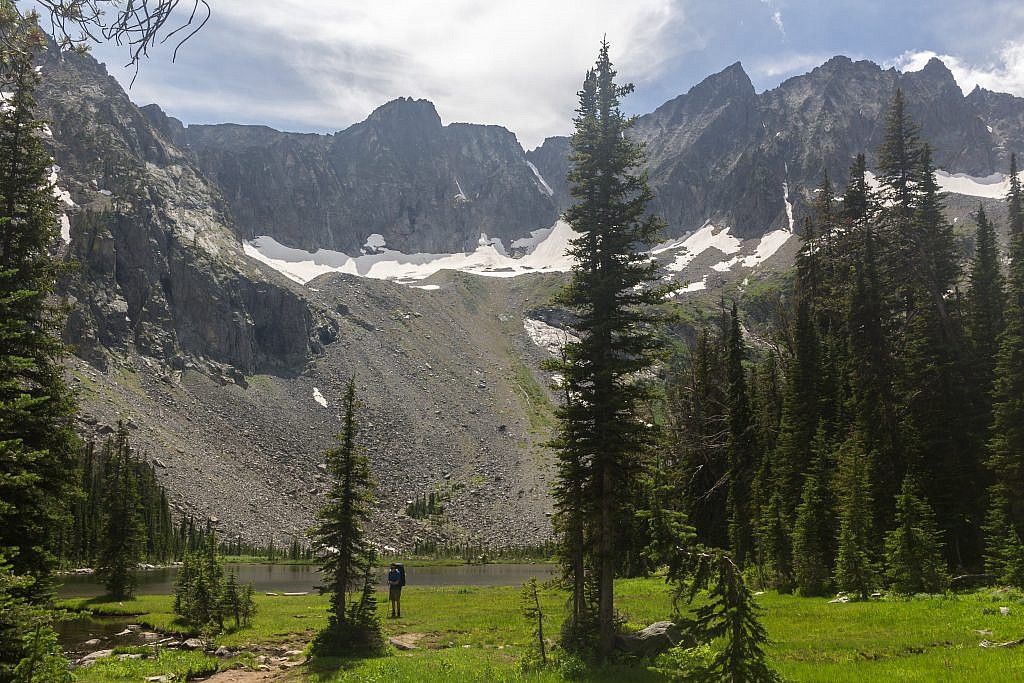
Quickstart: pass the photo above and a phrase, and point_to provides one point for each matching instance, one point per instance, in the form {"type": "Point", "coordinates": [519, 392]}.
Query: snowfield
{"type": "Point", "coordinates": [544, 251]}
{"type": "Point", "coordinates": [545, 255]}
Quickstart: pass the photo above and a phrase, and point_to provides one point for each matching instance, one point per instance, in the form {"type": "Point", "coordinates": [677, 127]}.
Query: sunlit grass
{"type": "Point", "coordinates": [478, 634]}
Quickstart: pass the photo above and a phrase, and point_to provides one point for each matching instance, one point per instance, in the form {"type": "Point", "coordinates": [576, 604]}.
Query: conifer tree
{"type": "Point", "coordinates": [123, 533]}
{"type": "Point", "coordinates": [985, 300]}
{"type": "Point", "coordinates": [613, 294]}
{"type": "Point", "coordinates": [340, 541]}
{"type": "Point", "coordinates": [743, 453]}
{"type": "Point", "coordinates": [728, 616]}
{"type": "Point", "coordinates": [1006, 447]}
{"type": "Point", "coordinates": [855, 553]}
{"type": "Point", "coordinates": [200, 587]}
{"type": "Point", "coordinates": [1004, 547]}
{"type": "Point", "coordinates": [814, 529]}
{"type": "Point", "coordinates": [573, 505]}
{"type": "Point", "coordinates": [913, 550]}
{"type": "Point", "coordinates": [29, 650]}
{"type": "Point", "coordinates": [37, 440]}
{"type": "Point", "coordinates": [792, 456]}
{"type": "Point", "coordinates": [985, 304]}
{"type": "Point", "coordinates": [873, 403]}
{"type": "Point", "coordinates": [1015, 201]}
{"type": "Point", "coordinates": [698, 398]}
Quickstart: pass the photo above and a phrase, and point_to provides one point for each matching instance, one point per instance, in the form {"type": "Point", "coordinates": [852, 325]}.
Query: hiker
{"type": "Point", "coordinates": [396, 579]}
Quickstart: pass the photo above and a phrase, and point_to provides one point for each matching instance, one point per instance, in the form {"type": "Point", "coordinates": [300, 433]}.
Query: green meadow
{"type": "Point", "coordinates": [479, 634]}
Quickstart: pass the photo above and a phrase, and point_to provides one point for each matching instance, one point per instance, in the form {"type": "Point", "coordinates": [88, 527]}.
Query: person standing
{"type": "Point", "coordinates": [395, 581]}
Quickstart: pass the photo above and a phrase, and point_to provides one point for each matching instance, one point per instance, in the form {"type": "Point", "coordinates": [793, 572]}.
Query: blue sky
{"type": "Point", "coordinates": [321, 65]}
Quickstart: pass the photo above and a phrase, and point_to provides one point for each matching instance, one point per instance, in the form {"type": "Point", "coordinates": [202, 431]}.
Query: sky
{"type": "Point", "coordinates": [322, 65]}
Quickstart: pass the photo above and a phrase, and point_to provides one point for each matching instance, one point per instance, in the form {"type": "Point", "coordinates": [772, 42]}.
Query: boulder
{"type": "Point", "coordinates": [93, 656]}
{"type": "Point", "coordinates": [651, 641]}
{"type": "Point", "coordinates": [192, 644]}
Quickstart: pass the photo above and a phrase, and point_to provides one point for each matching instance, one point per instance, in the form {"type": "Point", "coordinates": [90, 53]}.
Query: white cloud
{"type": "Point", "coordinates": [776, 16]}
{"type": "Point", "coordinates": [516, 64]}
{"type": "Point", "coordinates": [1005, 73]}
{"type": "Point", "coordinates": [783, 65]}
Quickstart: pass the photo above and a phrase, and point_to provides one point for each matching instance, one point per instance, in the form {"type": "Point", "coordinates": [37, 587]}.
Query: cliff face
{"type": "Point", "coordinates": [159, 268]}
{"type": "Point", "coordinates": [423, 186]}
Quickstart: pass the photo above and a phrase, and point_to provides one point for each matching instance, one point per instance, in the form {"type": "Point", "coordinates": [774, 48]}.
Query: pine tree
{"type": "Point", "coordinates": [1006, 447]}
{"type": "Point", "coordinates": [29, 650]}
{"type": "Point", "coordinates": [729, 615]}
{"type": "Point", "coordinates": [612, 293]}
{"type": "Point", "coordinates": [934, 376]}
{"type": "Point", "coordinates": [1004, 547]}
{"type": "Point", "coordinates": [340, 540]}
{"type": "Point", "coordinates": [199, 589]}
{"type": "Point", "coordinates": [985, 300]}
{"type": "Point", "coordinates": [37, 441]}
{"type": "Point", "coordinates": [698, 397]}
{"type": "Point", "coordinates": [814, 530]}
{"type": "Point", "coordinates": [742, 444]}
{"type": "Point", "coordinates": [913, 550]}
{"type": "Point", "coordinates": [1015, 201]}
{"type": "Point", "coordinates": [123, 531]}
{"type": "Point", "coordinates": [855, 565]}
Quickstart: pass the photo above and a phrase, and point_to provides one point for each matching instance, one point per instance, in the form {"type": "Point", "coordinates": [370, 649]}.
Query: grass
{"type": "Point", "coordinates": [535, 401]}
{"type": "Point", "coordinates": [184, 665]}
{"type": "Point", "coordinates": [478, 634]}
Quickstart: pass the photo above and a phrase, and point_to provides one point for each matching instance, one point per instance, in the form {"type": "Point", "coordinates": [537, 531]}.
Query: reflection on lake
{"type": "Point", "coordinates": [282, 578]}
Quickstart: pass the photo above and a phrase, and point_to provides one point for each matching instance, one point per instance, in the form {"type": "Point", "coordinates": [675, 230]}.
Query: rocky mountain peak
{"type": "Point", "coordinates": [937, 70]}
{"type": "Point", "coordinates": [731, 81]}
{"type": "Point", "coordinates": [406, 113]}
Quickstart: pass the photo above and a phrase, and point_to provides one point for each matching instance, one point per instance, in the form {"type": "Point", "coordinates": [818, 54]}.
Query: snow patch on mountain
{"type": "Point", "coordinates": [460, 196]}
{"type": "Point", "coordinates": [489, 258]}
{"type": "Point", "coordinates": [766, 248]}
{"type": "Point", "coordinates": [543, 184]}
{"type": "Point", "coordinates": [319, 397]}
{"type": "Point", "coordinates": [696, 244]}
{"type": "Point", "coordinates": [994, 186]}
{"type": "Point", "coordinates": [694, 286]}
{"type": "Point", "coordinates": [535, 238]}
{"type": "Point", "coordinates": [374, 243]}
{"type": "Point", "coordinates": [789, 204]}
{"type": "Point", "coordinates": [495, 242]}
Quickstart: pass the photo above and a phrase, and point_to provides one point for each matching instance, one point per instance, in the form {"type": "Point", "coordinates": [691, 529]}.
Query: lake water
{"type": "Point", "coordinates": [283, 578]}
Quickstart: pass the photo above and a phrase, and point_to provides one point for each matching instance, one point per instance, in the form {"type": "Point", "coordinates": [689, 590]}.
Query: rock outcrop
{"type": "Point", "coordinates": [159, 268]}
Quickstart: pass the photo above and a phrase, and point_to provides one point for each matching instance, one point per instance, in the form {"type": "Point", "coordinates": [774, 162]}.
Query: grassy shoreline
{"type": "Point", "coordinates": [478, 634]}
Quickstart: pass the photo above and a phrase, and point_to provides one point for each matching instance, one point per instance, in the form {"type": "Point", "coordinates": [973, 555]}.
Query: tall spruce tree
{"type": "Point", "coordinates": [742, 444]}
{"type": "Point", "coordinates": [1015, 201]}
{"type": "Point", "coordinates": [123, 539]}
{"type": "Point", "coordinates": [37, 439]}
{"type": "Point", "coordinates": [340, 540]}
{"type": "Point", "coordinates": [1005, 542]}
{"type": "Point", "coordinates": [913, 550]}
{"type": "Point", "coordinates": [985, 304]}
{"type": "Point", "coordinates": [855, 568]}
{"type": "Point", "coordinates": [613, 292]}
{"type": "Point", "coordinates": [986, 301]}
{"type": "Point", "coordinates": [814, 530]}
{"type": "Point", "coordinates": [698, 398]}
